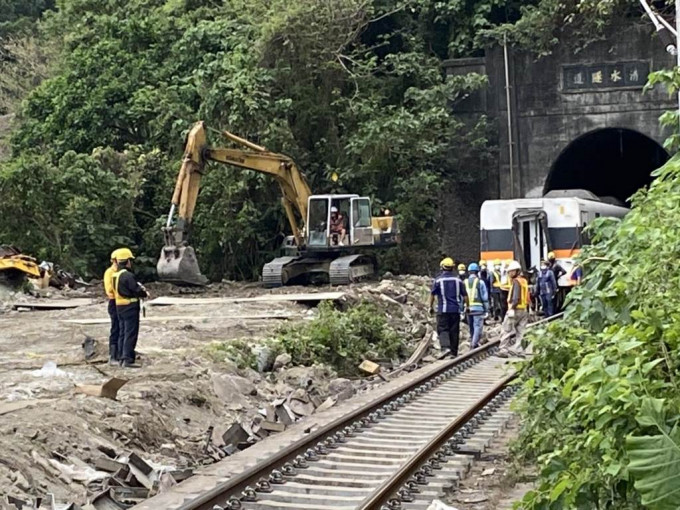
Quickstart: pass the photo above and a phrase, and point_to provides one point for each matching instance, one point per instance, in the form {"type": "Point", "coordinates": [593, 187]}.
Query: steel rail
{"type": "Point", "coordinates": [383, 494]}
{"type": "Point", "coordinates": [250, 476]}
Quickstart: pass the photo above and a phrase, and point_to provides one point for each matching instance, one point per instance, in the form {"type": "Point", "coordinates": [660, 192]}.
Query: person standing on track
{"type": "Point", "coordinates": [547, 288]}
{"type": "Point", "coordinates": [558, 271]}
{"type": "Point", "coordinates": [450, 291]}
{"type": "Point", "coordinates": [495, 291]}
{"type": "Point", "coordinates": [114, 332]}
{"type": "Point", "coordinates": [517, 317]}
{"type": "Point", "coordinates": [478, 306]}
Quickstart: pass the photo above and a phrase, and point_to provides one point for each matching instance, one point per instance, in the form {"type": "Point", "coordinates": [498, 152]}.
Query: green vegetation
{"type": "Point", "coordinates": [347, 86]}
{"type": "Point", "coordinates": [341, 339]}
{"type": "Point", "coordinates": [239, 352]}
{"type": "Point", "coordinates": [601, 393]}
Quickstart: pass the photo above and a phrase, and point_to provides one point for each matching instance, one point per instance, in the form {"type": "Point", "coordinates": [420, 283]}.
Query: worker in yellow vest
{"type": "Point", "coordinates": [517, 317]}
{"type": "Point", "coordinates": [478, 304]}
{"type": "Point", "coordinates": [113, 314]}
{"type": "Point", "coordinates": [497, 308]}
{"type": "Point", "coordinates": [128, 292]}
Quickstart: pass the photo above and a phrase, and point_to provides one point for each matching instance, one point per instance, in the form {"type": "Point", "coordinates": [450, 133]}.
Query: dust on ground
{"type": "Point", "coordinates": [166, 410]}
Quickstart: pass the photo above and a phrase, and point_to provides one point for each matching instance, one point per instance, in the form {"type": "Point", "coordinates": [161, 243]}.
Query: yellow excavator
{"type": "Point", "coordinates": [331, 234]}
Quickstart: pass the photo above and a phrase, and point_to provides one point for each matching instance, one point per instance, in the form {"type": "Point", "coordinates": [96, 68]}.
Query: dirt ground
{"type": "Point", "coordinates": [50, 434]}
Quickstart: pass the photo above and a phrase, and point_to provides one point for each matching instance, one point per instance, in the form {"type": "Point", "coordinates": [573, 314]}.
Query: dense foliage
{"type": "Point", "coordinates": [601, 410]}
{"type": "Point", "coordinates": [342, 339]}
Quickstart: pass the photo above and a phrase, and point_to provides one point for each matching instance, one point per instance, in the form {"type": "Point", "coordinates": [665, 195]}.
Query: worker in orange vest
{"type": "Point", "coordinates": [114, 332]}
{"type": "Point", "coordinates": [517, 316]}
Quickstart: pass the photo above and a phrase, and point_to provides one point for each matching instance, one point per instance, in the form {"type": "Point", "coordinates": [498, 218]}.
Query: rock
{"type": "Point", "coordinates": [265, 359]}
{"type": "Point", "coordinates": [388, 275]}
{"type": "Point", "coordinates": [282, 360]}
{"type": "Point", "coordinates": [168, 449]}
{"type": "Point", "coordinates": [301, 408]}
{"type": "Point", "coordinates": [231, 388]}
{"type": "Point", "coordinates": [341, 389]}
{"type": "Point", "coordinates": [300, 394]}
{"type": "Point", "coordinates": [327, 404]}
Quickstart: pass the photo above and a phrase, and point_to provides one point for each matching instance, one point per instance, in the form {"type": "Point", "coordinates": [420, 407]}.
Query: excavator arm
{"type": "Point", "coordinates": [178, 260]}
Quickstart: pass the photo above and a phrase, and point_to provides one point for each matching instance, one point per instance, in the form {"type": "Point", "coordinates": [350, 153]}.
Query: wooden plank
{"type": "Point", "coordinates": [312, 296]}
{"type": "Point", "coordinates": [53, 304]}
{"type": "Point", "coordinates": [192, 318]}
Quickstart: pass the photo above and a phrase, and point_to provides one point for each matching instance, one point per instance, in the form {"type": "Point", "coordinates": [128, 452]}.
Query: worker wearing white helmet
{"type": "Point", "coordinates": [338, 227]}
{"type": "Point", "coordinates": [517, 317]}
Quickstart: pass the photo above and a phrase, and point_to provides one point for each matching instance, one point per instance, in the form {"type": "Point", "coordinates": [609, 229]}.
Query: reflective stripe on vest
{"type": "Point", "coordinates": [120, 300]}
{"type": "Point", "coordinates": [496, 279]}
{"type": "Point", "coordinates": [523, 302]}
{"type": "Point", "coordinates": [472, 291]}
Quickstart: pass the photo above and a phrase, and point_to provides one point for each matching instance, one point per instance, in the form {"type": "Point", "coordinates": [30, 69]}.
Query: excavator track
{"type": "Point", "coordinates": [351, 268]}
{"type": "Point", "coordinates": [273, 272]}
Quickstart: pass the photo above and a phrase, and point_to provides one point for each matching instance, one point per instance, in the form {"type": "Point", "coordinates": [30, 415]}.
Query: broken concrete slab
{"type": "Point", "coordinates": [107, 390]}
{"type": "Point", "coordinates": [307, 297]}
{"type": "Point", "coordinates": [235, 435]}
{"type": "Point", "coordinates": [191, 318]}
{"type": "Point", "coordinates": [53, 304]}
{"type": "Point", "coordinates": [301, 408]}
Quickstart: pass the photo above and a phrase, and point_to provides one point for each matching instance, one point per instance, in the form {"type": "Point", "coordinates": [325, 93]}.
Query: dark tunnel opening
{"type": "Point", "coordinates": [609, 162]}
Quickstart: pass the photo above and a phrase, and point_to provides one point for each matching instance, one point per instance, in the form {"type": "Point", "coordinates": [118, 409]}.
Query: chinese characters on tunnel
{"type": "Point", "coordinates": [605, 76]}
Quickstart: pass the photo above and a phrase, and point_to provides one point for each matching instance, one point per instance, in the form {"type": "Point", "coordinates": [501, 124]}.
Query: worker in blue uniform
{"type": "Point", "coordinates": [450, 291]}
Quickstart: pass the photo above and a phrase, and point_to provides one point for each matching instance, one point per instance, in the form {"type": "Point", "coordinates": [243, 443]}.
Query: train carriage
{"type": "Point", "coordinates": [527, 229]}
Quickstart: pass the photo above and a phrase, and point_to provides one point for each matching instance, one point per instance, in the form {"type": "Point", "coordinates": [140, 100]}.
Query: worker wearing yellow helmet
{"type": "Point", "coordinates": [128, 292]}
{"type": "Point", "coordinates": [114, 331]}
{"type": "Point", "coordinates": [462, 271]}
{"type": "Point", "coordinates": [450, 293]}
{"type": "Point", "coordinates": [497, 308]}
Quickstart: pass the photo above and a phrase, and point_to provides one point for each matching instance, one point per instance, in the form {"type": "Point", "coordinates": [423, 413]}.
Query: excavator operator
{"type": "Point", "coordinates": [338, 227]}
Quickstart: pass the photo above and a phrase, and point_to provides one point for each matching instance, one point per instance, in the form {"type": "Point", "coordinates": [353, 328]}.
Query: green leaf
{"type": "Point", "coordinates": [557, 491]}
{"type": "Point", "coordinates": [655, 460]}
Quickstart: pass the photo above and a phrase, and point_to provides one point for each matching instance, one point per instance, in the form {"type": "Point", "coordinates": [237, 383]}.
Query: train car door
{"type": "Point", "coordinates": [531, 240]}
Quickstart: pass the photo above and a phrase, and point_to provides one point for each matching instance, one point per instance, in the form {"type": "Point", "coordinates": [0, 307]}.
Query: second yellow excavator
{"type": "Point", "coordinates": [329, 240]}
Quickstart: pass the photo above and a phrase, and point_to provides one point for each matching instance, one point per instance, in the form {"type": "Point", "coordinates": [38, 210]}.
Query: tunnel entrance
{"type": "Point", "coordinates": [609, 162]}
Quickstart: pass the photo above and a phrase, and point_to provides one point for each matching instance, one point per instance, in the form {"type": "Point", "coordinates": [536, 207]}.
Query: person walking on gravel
{"type": "Point", "coordinates": [450, 292]}
{"type": "Point", "coordinates": [517, 317]}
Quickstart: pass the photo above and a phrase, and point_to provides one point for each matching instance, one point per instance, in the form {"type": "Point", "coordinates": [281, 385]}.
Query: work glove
{"type": "Point", "coordinates": [511, 314]}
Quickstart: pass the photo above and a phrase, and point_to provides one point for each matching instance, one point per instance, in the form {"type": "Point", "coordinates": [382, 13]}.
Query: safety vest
{"type": "Point", "coordinates": [523, 302]}
{"type": "Point", "coordinates": [121, 300]}
{"type": "Point", "coordinates": [496, 279]}
{"type": "Point", "coordinates": [471, 290]}
{"type": "Point", "coordinates": [108, 282]}
{"type": "Point", "coordinates": [506, 282]}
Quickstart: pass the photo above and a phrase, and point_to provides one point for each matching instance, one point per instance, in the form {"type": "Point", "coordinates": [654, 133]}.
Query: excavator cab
{"type": "Point", "coordinates": [336, 222]}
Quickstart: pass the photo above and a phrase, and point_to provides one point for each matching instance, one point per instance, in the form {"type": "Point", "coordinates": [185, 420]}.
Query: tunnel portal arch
{"type": "Point", "coordinates": [609, 162]}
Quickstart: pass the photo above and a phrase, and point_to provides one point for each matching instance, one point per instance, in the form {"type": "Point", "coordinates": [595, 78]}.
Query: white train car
{"type": "Point", "coordinates": [527, 229]}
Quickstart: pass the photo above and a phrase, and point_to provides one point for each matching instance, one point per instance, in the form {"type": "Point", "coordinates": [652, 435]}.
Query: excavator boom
{"type": "Point", "coordinates": [178, 263]}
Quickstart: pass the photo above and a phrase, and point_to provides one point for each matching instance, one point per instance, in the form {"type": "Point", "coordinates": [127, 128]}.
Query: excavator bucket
{"type": "Point", "coordinates": [179, 265]}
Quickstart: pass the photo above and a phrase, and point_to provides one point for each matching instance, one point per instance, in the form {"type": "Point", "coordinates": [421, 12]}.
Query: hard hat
{"type": "Point", "coordinates": [473, 267]}
{"type": "Point", "coordinates": [497, 262]}
{"type": "Point", "coordinates": [461, 267]}
{"type": "Point", "coordinates": [482, 263]}
{"type": "Point", "coordinates": [447, 263]}
{"type": "Point", "coordinates": [551, 255]}
{"type": "Point", "coordinates": [124, 254]}
{"type": "Point", "coordinates": [334, 209]}
{"type": "Point", "coordinates": [514, 266]}
{"type": "Point", "coordinates": [114, 254]}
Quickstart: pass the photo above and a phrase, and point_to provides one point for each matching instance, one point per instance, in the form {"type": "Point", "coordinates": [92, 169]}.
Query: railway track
{"type": "Point", "coordinates": [397, 452]}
